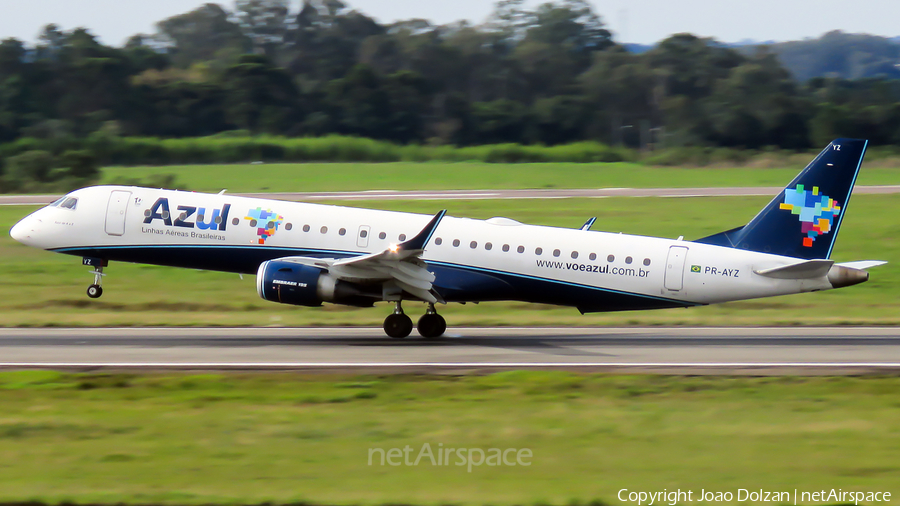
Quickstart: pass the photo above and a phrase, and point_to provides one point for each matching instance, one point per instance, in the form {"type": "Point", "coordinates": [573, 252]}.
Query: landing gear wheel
{"type": "Point", "coordinates": [94, 291]}
{"type": "Point", "coordinates": [397, 325]}
{"type": "Point", "coordinates": [431, 325]}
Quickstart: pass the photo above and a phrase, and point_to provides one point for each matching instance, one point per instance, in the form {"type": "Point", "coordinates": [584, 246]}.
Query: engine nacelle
{"type": "Point", "coordinates": [305, 285]}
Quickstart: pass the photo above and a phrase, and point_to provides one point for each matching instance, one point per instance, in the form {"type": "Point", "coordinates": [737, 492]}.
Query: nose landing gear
{"type": "Point", "coordinates": [95, 291]}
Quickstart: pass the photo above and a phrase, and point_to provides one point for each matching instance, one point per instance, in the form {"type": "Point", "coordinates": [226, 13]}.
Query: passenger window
{"type": "Point", "coordinates": [364, 233]}
{"type": "Point", "coordinates": [342, 231]}
{"type": "Point", "coordinates": [505, 248]}
{"type": "Point", "coordinates": [574, 255]}
{"type": "Point", "coordinates": [288, 226]}
{"type": "Point", "coordinates": [382, 235]}
{"type": "Point", "coordinates": [611, 258]}
{"type": "Point", "coordinates": [455, 243]}
{"type": "Point", "coordinates": [324, 230]}
{"type": "Point", "coordinates": [593, 256]}
{"type": "Point", "coordinates": [488, 246]}
{"type": "Point", "coordinates": [628, 260]}
{"type": "Point", "coordinates": [556, 252]}
{"type": "Point", "coordinates": [235, 221]}
{"type": "Point", "coordinates": [438, 241]}
{"type": "Point", "coordinates": [538, 251]}
{"type": "Point", "coordinates": [306, 228]}
{"type": "Point", "coordinates": [647, 261]}
{"type": "Point", "coordinates": [402, 237]}
{"type": "Point", "coordinates": [473, 244]}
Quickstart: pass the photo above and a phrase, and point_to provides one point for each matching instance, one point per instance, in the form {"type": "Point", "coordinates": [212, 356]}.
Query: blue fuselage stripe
{"type": "Point", "coordinates": [461, 282]}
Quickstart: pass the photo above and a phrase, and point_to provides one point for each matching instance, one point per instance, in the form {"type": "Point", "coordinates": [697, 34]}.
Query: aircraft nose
{"type": "Point", "coordinates": [21, 231]}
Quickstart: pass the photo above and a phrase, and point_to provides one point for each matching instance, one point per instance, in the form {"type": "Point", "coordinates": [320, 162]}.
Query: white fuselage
{"type": "Point", "coordinates": [473, 259]}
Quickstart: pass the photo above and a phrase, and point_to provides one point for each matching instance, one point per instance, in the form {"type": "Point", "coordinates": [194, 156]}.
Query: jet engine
{"type": "Point", "coordinates": [305, 285]}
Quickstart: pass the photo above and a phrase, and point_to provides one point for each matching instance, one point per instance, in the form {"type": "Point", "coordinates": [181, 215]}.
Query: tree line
{"type": "Point", "coordinates": [552, 74]}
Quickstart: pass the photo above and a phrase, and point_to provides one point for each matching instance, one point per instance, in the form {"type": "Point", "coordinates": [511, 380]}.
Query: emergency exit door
{"type": "Point", "coordinates": [362, 239]}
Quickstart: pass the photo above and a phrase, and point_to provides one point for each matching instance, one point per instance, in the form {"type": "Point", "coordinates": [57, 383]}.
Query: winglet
{"type": "Point", "coordinates": [421, 239]}
{"type": "Point", "coordinates": [588, 224]}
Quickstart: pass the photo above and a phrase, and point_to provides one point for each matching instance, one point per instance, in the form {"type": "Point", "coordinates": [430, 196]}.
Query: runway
{"type": "Point", "coordinates": [36, 200]}
{"type": "Point", "coordinates": [833, 350]}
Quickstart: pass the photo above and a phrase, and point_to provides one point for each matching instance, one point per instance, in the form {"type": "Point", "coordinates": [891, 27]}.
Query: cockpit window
{"type": "Point", "coordinates": [57, 202]}
{"type": "Point", "coordinates": [69, 203]}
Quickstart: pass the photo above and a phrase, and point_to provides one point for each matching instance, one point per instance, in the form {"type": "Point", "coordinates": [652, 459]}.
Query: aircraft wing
{"type": "Point", "coordinates": [400, 264]}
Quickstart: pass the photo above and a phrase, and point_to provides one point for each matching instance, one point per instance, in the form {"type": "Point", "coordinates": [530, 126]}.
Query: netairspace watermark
{"type": "Point", "coordinates": [673, 497]}
{"type": "Point", "coordinates": [440, 456]}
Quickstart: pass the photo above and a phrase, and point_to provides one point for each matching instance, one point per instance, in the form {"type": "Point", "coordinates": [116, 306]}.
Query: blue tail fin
{"type": "Point", "coordinates": [804, 219]}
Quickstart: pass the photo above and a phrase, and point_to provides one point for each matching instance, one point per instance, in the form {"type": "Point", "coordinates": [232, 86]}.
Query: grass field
{"type": "Point", "coordinates": [463, 175]}
{"type": "Point", "coordinates": [240, 438]}
{"type": "Point", "coordinates": [188, 439]}
{"type": "Point", "coordinates": [41, 288]}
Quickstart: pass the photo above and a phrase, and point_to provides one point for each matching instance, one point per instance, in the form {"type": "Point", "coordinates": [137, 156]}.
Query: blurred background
{"type": "Point", "coordinates": [528, 73]}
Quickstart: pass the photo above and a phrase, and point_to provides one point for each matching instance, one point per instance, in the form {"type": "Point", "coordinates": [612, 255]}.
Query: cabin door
{"type": "Point", "coordinates": [115, 212]}
{"type": "Point", "coordinates": [675, 268]}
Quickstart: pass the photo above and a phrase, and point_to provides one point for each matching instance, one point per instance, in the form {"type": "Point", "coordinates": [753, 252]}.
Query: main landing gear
{"type": "Point", "coordinates": [398, 325]}
{"type": "Point", "coordinates": [431, 324]}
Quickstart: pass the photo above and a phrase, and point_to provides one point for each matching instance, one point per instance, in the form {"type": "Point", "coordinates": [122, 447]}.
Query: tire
{"type": "Point", "coordinates": [94, 291]}
{"type": "Point", "coordinates": [431, 326]}
{"type": "Point", "coordinates": [397, 326]}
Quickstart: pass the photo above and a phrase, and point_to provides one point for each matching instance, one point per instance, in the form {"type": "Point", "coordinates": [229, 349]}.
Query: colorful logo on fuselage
{"type": "Point", "coordinates": [815, 211]}
{"type": "Point", "coordinates": [265, 221]}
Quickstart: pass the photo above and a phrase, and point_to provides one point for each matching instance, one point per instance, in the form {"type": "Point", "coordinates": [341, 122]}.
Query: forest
{"type": "Point", "coordinates": [552, 74]}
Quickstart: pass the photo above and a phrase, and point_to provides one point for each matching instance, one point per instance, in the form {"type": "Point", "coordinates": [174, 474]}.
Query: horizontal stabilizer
{"type": "Point", "coordinates": [863, 264]}
{"type": "Point", "coordinates": [803, 270]}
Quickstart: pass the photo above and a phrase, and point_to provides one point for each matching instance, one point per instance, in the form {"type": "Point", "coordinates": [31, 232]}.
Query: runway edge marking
{"type": "Point", "coordinates": [281, 365]}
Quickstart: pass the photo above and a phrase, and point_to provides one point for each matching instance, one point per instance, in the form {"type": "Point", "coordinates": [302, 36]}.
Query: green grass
{"type": "Point", "coordinates": [46, 289]}
{"type": "Point", "coordinates": [282, 177]}
{"type": "Point", "coordinates": [191, 439]}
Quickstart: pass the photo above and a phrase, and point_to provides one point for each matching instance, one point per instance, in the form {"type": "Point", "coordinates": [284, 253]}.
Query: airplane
{"type": "Point", "coordinates": [306, 254]}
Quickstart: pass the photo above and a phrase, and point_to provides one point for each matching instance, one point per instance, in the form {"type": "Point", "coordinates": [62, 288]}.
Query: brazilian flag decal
{"type": "Point", "coordinates": [695, 268]}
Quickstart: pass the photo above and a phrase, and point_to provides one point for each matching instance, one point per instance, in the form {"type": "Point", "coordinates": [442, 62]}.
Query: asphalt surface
{"type": "Point", "coordinates": [833, 350]}
{"type": "Point", "coordinates": [36, 200]}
